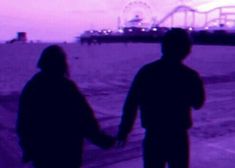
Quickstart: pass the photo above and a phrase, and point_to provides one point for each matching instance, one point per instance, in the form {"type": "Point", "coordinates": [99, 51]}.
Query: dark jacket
{"type": "Point", "coordinates": [53, 119]}
{"type": "Point", "coordinates": [165, 92]}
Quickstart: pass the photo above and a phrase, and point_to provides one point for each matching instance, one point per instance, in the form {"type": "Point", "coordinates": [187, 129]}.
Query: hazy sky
{"type": "Point", "coordinates": [58, 20]}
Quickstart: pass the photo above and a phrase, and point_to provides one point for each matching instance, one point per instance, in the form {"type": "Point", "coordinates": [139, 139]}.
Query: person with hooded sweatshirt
{"type": "Point", "coordinates": [165, 91]}
{"type": "Point", "coordinates": [54, 117]}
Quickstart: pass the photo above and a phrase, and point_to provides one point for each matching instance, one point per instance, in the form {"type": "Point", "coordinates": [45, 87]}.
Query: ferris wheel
{"type": "Point", "coordinates": [137, 13]}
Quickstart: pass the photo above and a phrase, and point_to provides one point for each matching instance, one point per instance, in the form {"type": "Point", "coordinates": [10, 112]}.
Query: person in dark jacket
{"type": "Point", "coordinates": [165, 91]}
{"type": "Point", "coordinates": [54, 117]}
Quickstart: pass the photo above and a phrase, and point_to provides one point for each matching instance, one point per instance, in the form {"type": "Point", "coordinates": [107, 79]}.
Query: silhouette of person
{"type": "Point", "coordinates": [165, 91]}
{"type": "Point", "coordinates": [54, 117]}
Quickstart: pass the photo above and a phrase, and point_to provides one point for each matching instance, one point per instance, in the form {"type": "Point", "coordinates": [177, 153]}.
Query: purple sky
{"type": "Point", "coordinates": [62, 20]}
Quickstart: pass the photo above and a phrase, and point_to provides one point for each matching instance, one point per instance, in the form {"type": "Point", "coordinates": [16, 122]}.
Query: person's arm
{"type": "Point", "coordinates": [89, 124]}
{"type": "Point", "coordinates": [198, 93]}
{"type": "Point", "coordinates": [129, 111]}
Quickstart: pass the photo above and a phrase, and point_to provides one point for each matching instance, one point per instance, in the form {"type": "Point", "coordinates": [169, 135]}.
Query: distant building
{"type": "Point", "coordinates": [21, 37]}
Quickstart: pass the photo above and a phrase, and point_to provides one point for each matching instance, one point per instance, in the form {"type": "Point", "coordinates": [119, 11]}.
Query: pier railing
{"type": "Point", "coordinates": [185, 16]}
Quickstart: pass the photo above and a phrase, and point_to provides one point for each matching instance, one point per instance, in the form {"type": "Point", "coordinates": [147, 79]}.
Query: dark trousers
{"type": "Point", "coordinates": [170, 147]}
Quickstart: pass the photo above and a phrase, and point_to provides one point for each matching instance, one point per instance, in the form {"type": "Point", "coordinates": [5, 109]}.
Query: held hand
{"type": "Point", "coordinates": [121, 141]}
{"type": "Point", "coordinates": [108, 142]}
{"type": "Point", "coordinates": [112, 143]}
{"type": "Point", "coordinates": [103, 140]}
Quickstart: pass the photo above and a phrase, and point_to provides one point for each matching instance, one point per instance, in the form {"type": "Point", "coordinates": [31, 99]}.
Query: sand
{"type": "Point", "coordinates": [104, 73]}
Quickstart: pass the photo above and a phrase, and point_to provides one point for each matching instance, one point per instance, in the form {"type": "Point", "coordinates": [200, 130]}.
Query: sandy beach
{"type": "Point", "coordinates": [104, 73]}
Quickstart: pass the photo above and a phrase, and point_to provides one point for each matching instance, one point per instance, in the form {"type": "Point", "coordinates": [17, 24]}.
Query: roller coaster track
{"type": "Point", "coordinates": [220, 16]}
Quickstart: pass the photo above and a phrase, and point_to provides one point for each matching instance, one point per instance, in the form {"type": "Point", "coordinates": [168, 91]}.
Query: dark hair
{"type": "Point", "coordinates": [176, 44]}
{"type": "Point", "coordinates": [53, 61]}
